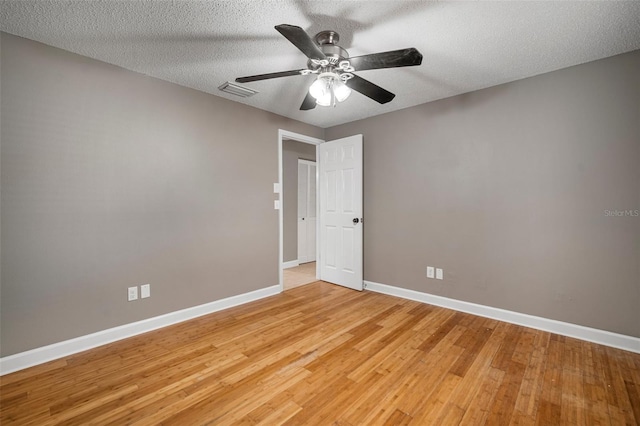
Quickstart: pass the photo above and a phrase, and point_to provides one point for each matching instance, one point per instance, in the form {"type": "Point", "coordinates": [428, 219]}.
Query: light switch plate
{"type": "Point", "coordinates": [276, 188]}
{"type": "Point", "coordinates": [145, 291]}
{"type": "Point", "coordinates": [276, 204]}
{"type": "Point", "coordinates": [431, 272]}
{"type": "Point", "coordinates": [439, 274]}
{"type": "Point", "coordinates": [132, 293]}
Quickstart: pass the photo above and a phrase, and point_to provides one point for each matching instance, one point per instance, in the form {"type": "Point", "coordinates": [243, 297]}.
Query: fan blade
{"type": "Point", "coordinates": [308, 103]}
{"type": "Point", "coordinates": [268, 76]}
{"type": "Point", "coordinates": [395, 58]}
{"type": "Point", "coordinates": [370, 90]}
{"type": "Point", "coordinates": [301, 40]}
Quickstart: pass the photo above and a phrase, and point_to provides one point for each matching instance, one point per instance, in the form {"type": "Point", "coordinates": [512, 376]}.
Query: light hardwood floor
{"type": "Point", "coordinates": [299, 275]}
{"type": "Point", "coordinates": [322, 354]}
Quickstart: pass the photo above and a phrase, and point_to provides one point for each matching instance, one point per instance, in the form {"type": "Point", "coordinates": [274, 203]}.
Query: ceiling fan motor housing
{"type": "Point", "coordinates": [327, 37]}
{"type": "Point", "coordinates": [327, 41]}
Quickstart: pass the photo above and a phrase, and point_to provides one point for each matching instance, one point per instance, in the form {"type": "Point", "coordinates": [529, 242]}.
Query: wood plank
{"type": "Point", "coordinates": [526, 404]}
{"type": "Point", "coordinates": [398, 418]}
{"type": "Point", "coordinates": [477, 373]}
{"type": "Point", "coordinates": [594, 387]}
{"type": "Point", "coordinates": [479, 407]}
{"type": "Point", "coordinates": [550, 396]}
{"type": "Point", "coordinates": [433, 406]}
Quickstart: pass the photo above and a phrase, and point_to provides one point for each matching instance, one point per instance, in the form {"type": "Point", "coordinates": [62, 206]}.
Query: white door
{"type": "Point", "coordinates": [340, 181]}
{"type": "Point", "coordinates": [306, 211]}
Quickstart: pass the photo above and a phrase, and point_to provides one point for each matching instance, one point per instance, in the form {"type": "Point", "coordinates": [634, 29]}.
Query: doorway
{"type": "Point", "coordinates": [339, 208]}
{"type": "Point", "coordinates": [298, 209]}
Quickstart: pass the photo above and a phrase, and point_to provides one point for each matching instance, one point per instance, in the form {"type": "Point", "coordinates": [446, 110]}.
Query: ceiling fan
{"type": "Point", "coordinates": [335, 69]}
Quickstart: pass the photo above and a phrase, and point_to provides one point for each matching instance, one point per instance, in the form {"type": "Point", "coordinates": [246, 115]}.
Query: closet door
{"type": "Point", "coordinates": [306, 211]}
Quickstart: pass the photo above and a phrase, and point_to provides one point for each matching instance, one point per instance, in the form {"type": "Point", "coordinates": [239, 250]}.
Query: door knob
{"type": "Point", "coordinates": [356, 220]}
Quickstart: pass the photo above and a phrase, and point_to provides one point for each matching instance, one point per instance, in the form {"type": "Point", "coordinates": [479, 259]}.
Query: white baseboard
{"type": "Point", "coordinates": [620, 341]}
{"type": "Point", "coordinates": [290, 264]}
{"type": "Point", "coordinates": [54, 351]}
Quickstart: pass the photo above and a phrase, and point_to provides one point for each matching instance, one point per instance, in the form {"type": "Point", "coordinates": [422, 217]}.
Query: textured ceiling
{"type": "Point", "coordinates": [201, 44]}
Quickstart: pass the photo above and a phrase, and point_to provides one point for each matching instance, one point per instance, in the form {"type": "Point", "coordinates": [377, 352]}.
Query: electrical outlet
{"type": "Point", "coordinates": [430, 272]}
{"type": "Point", "coordinates": [132, 293]}
{"type": "Point", "coordinates": [145, 291]}
{"type": "Point", "coordinates": [439, 274]}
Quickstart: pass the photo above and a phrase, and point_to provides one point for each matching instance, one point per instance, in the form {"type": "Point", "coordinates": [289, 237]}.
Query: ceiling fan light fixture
{"type": "Point", "coordinates": [341, 90]}
{"type": "Point", "coordinates": [329, 89]}
{"type": "Point", "coordinates": [321, 88]}
{"type": "Point", "coordinates": [324, 100]}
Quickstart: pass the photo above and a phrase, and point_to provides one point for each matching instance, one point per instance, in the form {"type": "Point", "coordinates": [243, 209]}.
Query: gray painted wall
{"type": "Point", "coordinates": [507, 189]}
{"type": "Point", "coordinates": [113, 179]}
{"type": "Point", "coordinates": [291, 152]}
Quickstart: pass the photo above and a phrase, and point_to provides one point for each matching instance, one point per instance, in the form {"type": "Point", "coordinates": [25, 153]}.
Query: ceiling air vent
{"type": "Point", "coordinates": [234, 89]}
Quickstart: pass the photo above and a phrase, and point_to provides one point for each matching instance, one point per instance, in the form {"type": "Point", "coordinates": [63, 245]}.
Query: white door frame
{"type": "Point", "coordinates": [282, 135]}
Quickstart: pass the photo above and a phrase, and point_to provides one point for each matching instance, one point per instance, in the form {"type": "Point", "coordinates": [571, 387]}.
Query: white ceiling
{"type": "Point", "coordinates": [201, 44]}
